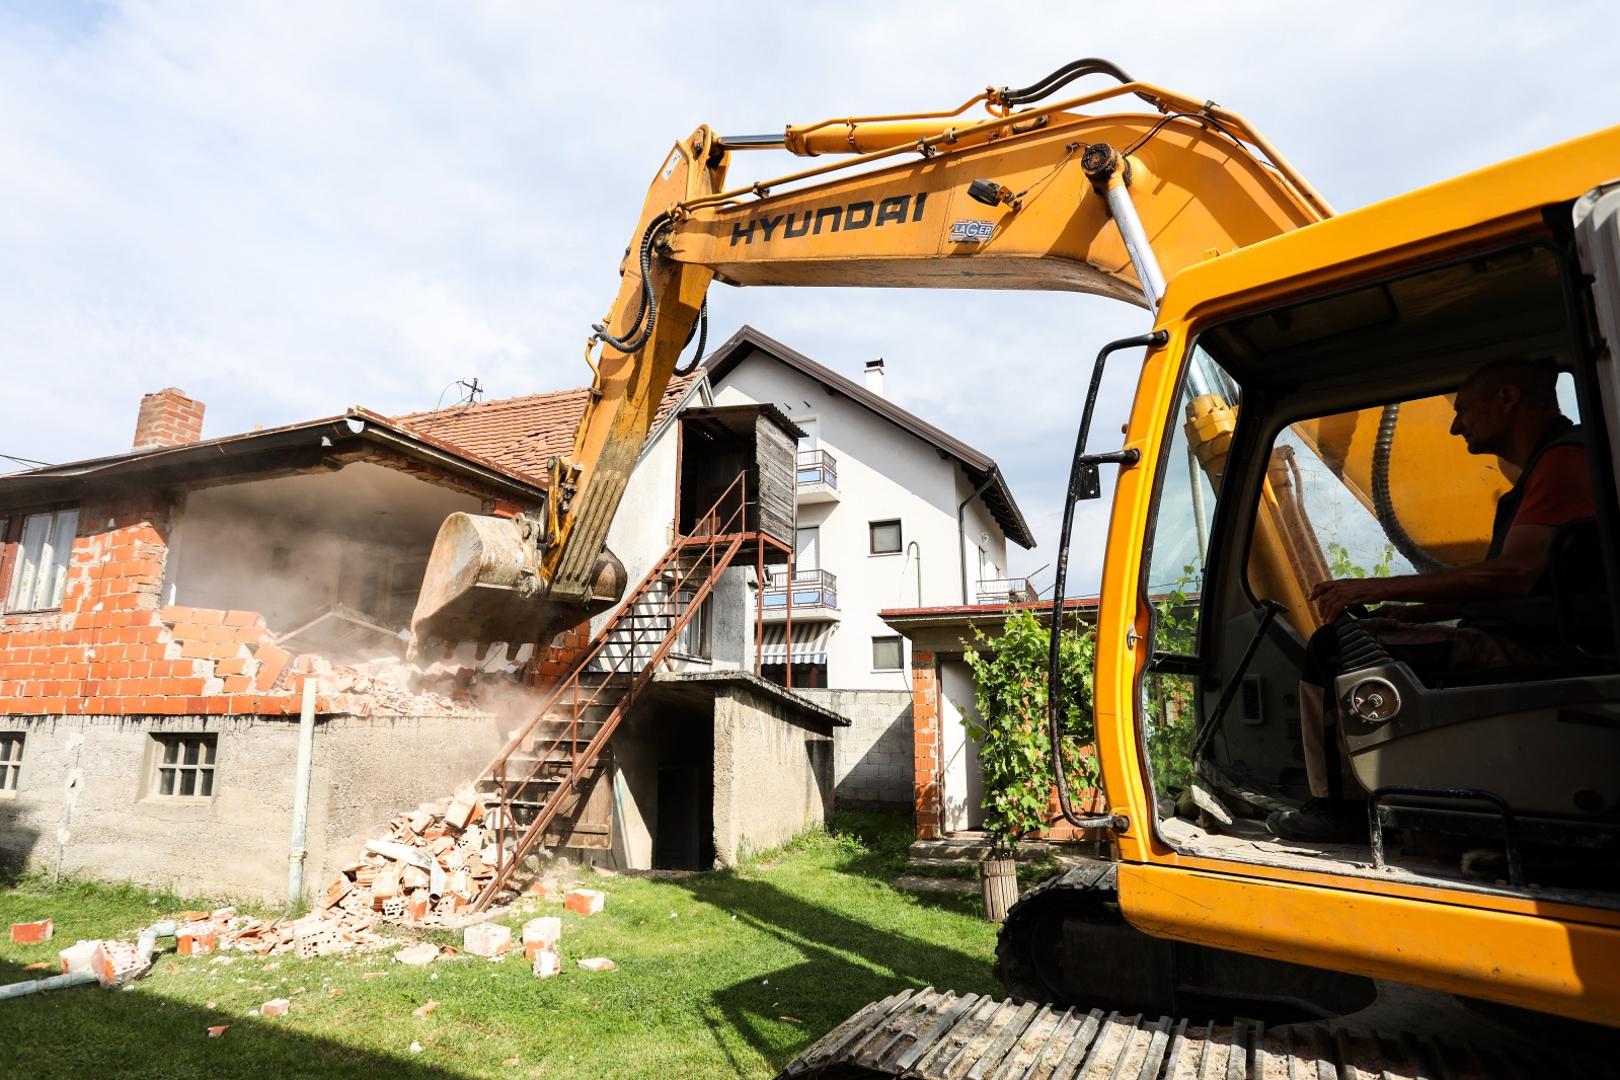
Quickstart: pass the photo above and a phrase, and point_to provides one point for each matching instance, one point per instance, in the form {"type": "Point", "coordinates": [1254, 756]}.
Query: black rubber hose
{"type": "Point", "coordinates": [1384, 506]}
{"type": "Point", "coordinates": [1054, 676]}
{"type": "Point", "coordinates": [1062, 77]}
{"type": "Point", "coordinates": [647, 314]}
{"type": "Point", "coordinates": [703, 341]}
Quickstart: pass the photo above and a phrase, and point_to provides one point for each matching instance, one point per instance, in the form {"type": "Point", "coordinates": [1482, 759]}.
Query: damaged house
{"type": "Point", "coordinates": [164, 609]}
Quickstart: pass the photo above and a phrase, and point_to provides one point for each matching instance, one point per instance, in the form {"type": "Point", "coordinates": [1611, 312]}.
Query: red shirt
{"type": "Point", "coordinates": [1559, 489]}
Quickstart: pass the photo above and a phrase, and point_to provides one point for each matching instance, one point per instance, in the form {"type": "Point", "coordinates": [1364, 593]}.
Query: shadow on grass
{"type": "Point", "coordinates": [88, 1031]}
{"type": "Point", "coordinates": [847, 962]}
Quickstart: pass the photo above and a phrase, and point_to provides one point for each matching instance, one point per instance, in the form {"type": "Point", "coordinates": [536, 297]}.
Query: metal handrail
{"type": "Point", "coordinates": [1007, 590]}
{"type": "Point", "coordinates": [821, 467]}
{"type": "Point", "coordinates": [690, 557]}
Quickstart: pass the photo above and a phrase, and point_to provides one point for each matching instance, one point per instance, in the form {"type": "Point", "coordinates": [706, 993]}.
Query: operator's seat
{"type": "Point", "coordinates": [1545, 738]}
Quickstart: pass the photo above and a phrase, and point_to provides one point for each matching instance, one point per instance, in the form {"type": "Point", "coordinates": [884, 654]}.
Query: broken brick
{"type": "Point", "coordinates": [598, 963]}
{"type": "Point", "coordinates": [197, 944]}
{"type": "Point", "coordinates": [546, 963]}
{"type": "Point", "coordinates": [487, 939]}
{"type": "Point", "coordinates": [275, 1007]}
{"type": "Point", "coordinates": [32, 933]}
{"type": "Point", "coordinates": [75, 959]}
{"type": "Point", "coordinates": [545, 931]}
{"type": "Point", "coordinates": [585, 901]}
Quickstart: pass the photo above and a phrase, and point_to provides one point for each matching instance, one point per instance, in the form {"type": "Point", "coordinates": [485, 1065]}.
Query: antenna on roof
{"type": "Point", "coordinates": [473, 390]}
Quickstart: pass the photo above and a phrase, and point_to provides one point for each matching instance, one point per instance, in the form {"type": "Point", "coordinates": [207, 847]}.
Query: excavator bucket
{"type": "Point", "coordinates": [484, 584]}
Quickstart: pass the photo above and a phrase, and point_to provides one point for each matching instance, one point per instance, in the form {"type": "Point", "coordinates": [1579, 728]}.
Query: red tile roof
{"type": "Point", "coordinates": [521, 434]}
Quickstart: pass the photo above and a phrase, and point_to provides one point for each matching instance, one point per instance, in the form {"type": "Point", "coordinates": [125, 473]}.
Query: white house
{"type": "Point", "coordinates": [892, 512]}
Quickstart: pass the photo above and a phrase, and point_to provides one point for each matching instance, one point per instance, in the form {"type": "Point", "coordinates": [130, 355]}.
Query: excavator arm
{"type": "Point", "coordinates": [1091, 194]}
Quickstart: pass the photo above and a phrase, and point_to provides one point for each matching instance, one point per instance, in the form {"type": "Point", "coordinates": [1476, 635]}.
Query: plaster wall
{"type": "Point", "coordinates": [962, 785]}
{"type": "Point", "coordinates": [290, 546]}
{"type": "Point", "coordinates": [773, 775]}
{"type": "Point", "coordinates": [366, 770]}
{"type": "Point", "coordinates": [872, 758]}
{"type": "Point", "coordinates": [884, 472]}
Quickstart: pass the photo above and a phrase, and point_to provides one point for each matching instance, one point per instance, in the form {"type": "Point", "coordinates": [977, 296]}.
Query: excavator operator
{"type": "Point", "coordinates": [1508, 408]}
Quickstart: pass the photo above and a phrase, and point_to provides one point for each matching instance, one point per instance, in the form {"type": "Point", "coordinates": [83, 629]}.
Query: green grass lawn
{"type": "Point", "coordinates": [720, 974]}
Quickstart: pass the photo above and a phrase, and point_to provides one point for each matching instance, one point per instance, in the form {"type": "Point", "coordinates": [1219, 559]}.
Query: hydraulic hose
{"type": "Point", "coordinates": [1384, 506]}
{"type": "Point", "coordinates": [1063, 76]}
{"type": "Point", "coordinates": [647, 312]}
{"type": "Point", "coordinates": [702, 329]}
{"type": "Point", "coordinates": [1054, 675]}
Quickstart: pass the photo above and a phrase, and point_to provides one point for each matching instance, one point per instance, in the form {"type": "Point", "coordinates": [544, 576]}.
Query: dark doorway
{"type": "Point", "coordinates": [684, 839]}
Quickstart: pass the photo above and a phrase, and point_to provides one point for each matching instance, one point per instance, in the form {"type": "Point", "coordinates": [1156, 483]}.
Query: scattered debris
{"type": "Point", "coordinates": [415, 1047]}
{"type": "Point", "coordinates": [419, 955]}
{"type": "Point", "coordinates": [547, 962]}
{"type": "Point", "coordinates": [510, 1061]}
{"type": "Point", "coordinates": [425, 1008]}
{"type": "Point", "coordinates": [487, 939]}
{"type": "Point", "coordinates": [337, 991]}
{"type": "Point", "coordinates": [218, 1030]}
{"type": "Point", "coordinates": [38, 965]}
{"type": "Point", "coordinates": [275, 1007]}
{"type": "Point", "coordinates": [32, 933]}
{"type": "Point", "coordinates": [75, 959]}
{"type": "Point", "coordinates": [585, 901]}
{"type": "Point", "coordinates": [541, 934]}
{"type": "Point", "coordinates": [598, 963]}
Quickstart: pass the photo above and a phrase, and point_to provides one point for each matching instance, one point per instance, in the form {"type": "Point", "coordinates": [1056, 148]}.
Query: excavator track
{"type": "Point", "coordinates": [941, 1036]}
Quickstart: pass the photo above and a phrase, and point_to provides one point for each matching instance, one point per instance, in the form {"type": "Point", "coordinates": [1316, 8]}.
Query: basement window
{"type": "Point", "coordinates": [183, 766]}
{"type": "Point", "coordinates": [39, 571]}
{"type": "Point", "coordinates": [11, 751]}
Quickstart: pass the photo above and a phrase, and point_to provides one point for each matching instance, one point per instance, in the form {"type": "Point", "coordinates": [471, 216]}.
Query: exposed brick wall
{"type": "Point", "coordinates": [112, 647]}
{"type": "Point", "coordinates": [561, 658]}
{"type": "Point", "coordinates": [925, 744]}
{"type": "Point", "coordinates": [168, 418]}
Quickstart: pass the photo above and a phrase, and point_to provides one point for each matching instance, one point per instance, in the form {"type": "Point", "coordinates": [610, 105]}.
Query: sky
{"type": "Point", "coordinates": [286, 208]}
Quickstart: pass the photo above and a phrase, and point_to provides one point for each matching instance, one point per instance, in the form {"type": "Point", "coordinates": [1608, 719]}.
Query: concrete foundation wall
{"type": "Point", "coordinates": [773, 775]}
{"type": "Point", "coordinates": [235, 844]}
{"type": "Point", "coordinates": [872, 758]}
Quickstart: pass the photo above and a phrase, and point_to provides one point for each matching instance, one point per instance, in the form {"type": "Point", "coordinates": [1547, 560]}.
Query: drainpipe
{"type": "Point", "coordinates": [300, 810]}
{"type": "Point", "coordinates": [914, 551]}
{"type": "Point", "coordinates": [961, 533]}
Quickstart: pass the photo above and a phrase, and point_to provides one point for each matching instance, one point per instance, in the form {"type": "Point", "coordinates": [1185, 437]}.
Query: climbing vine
{"type": "Point", "coordinates": [1010, 684]}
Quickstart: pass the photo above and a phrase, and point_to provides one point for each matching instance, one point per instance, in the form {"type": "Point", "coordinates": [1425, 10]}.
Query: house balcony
{"type": "Point", "coordinates": [818, 477]}
{"type": "Point", "coordinates": [1005, 591]}
{"type": "Point", "coordinates": [814, 592]}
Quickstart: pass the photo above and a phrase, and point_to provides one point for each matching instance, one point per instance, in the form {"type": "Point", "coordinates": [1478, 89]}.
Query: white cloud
{"type": "Point", "coordinates": [285, 208]}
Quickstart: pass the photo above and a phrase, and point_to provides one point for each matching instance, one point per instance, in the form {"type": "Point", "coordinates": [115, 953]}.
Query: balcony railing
{"type": "Point", "coordinates": [817, 467]}
{"type": "Point", "coordinates": [811, 589]}
{"type": "Point", "coordinates": [1006, 591]}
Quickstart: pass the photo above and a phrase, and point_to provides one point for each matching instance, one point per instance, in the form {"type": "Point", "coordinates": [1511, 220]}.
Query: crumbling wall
{"type": "Point", "coordinates": [872, 758]}
{"type": "Point", "coordinates": [108, 823]}
{"type": "Point", "coordinates": [773, 774]}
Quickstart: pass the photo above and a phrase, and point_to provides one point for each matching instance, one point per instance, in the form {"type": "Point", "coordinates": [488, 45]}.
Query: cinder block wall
{"type": "Point", "coordinates": [105, 824]}
{"type": "Point", "coordinates": [872, 758]}
{"type": "Point", "coordinates": [772, 775]}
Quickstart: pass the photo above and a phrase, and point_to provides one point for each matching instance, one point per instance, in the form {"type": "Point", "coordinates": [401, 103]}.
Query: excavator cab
{"type": "Point", "coordinates": [1485, 744]}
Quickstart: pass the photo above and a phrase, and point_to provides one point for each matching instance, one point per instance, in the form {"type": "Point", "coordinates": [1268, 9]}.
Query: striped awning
{"type": "Point", "coordinates": [809, 643]}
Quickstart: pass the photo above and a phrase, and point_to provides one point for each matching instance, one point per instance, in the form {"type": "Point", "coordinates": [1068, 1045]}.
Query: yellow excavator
{"type": "Point", "coordinates": [1291, 422]}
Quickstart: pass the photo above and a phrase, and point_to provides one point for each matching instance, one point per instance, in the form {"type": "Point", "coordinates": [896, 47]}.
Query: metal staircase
{"type": "Point", "coordinates": [537, 775]}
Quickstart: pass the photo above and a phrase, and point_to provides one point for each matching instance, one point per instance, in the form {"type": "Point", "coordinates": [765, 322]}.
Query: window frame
{"type": "Point", "coordinates": [13, 527]}
{"type": "Point", "coordinates": [900, 647]}
{"type": "Point", "coordinates": [13, 745]}
{"type": "Point", "coordinates": [700, 627]}
{"type": "Point", "coordinates": [209, 764]}
{"type": "Point", "coordinates": [871, 537]}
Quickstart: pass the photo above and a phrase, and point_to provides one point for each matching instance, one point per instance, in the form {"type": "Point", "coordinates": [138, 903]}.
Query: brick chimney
{"type": "Point", "coordinates": [168, 418]}
{"type": "Point", "coordinates": [874, 376]}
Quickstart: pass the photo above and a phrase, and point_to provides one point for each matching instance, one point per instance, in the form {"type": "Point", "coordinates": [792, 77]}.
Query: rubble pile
{"type": "Point", "coordinates": [387, 685]}
{"type": "Point", "coordinates": [433, 865]}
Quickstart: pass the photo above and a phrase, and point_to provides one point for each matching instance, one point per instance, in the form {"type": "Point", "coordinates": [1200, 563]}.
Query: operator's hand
{"type": "Point", "coordinates": [1332, 597]}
